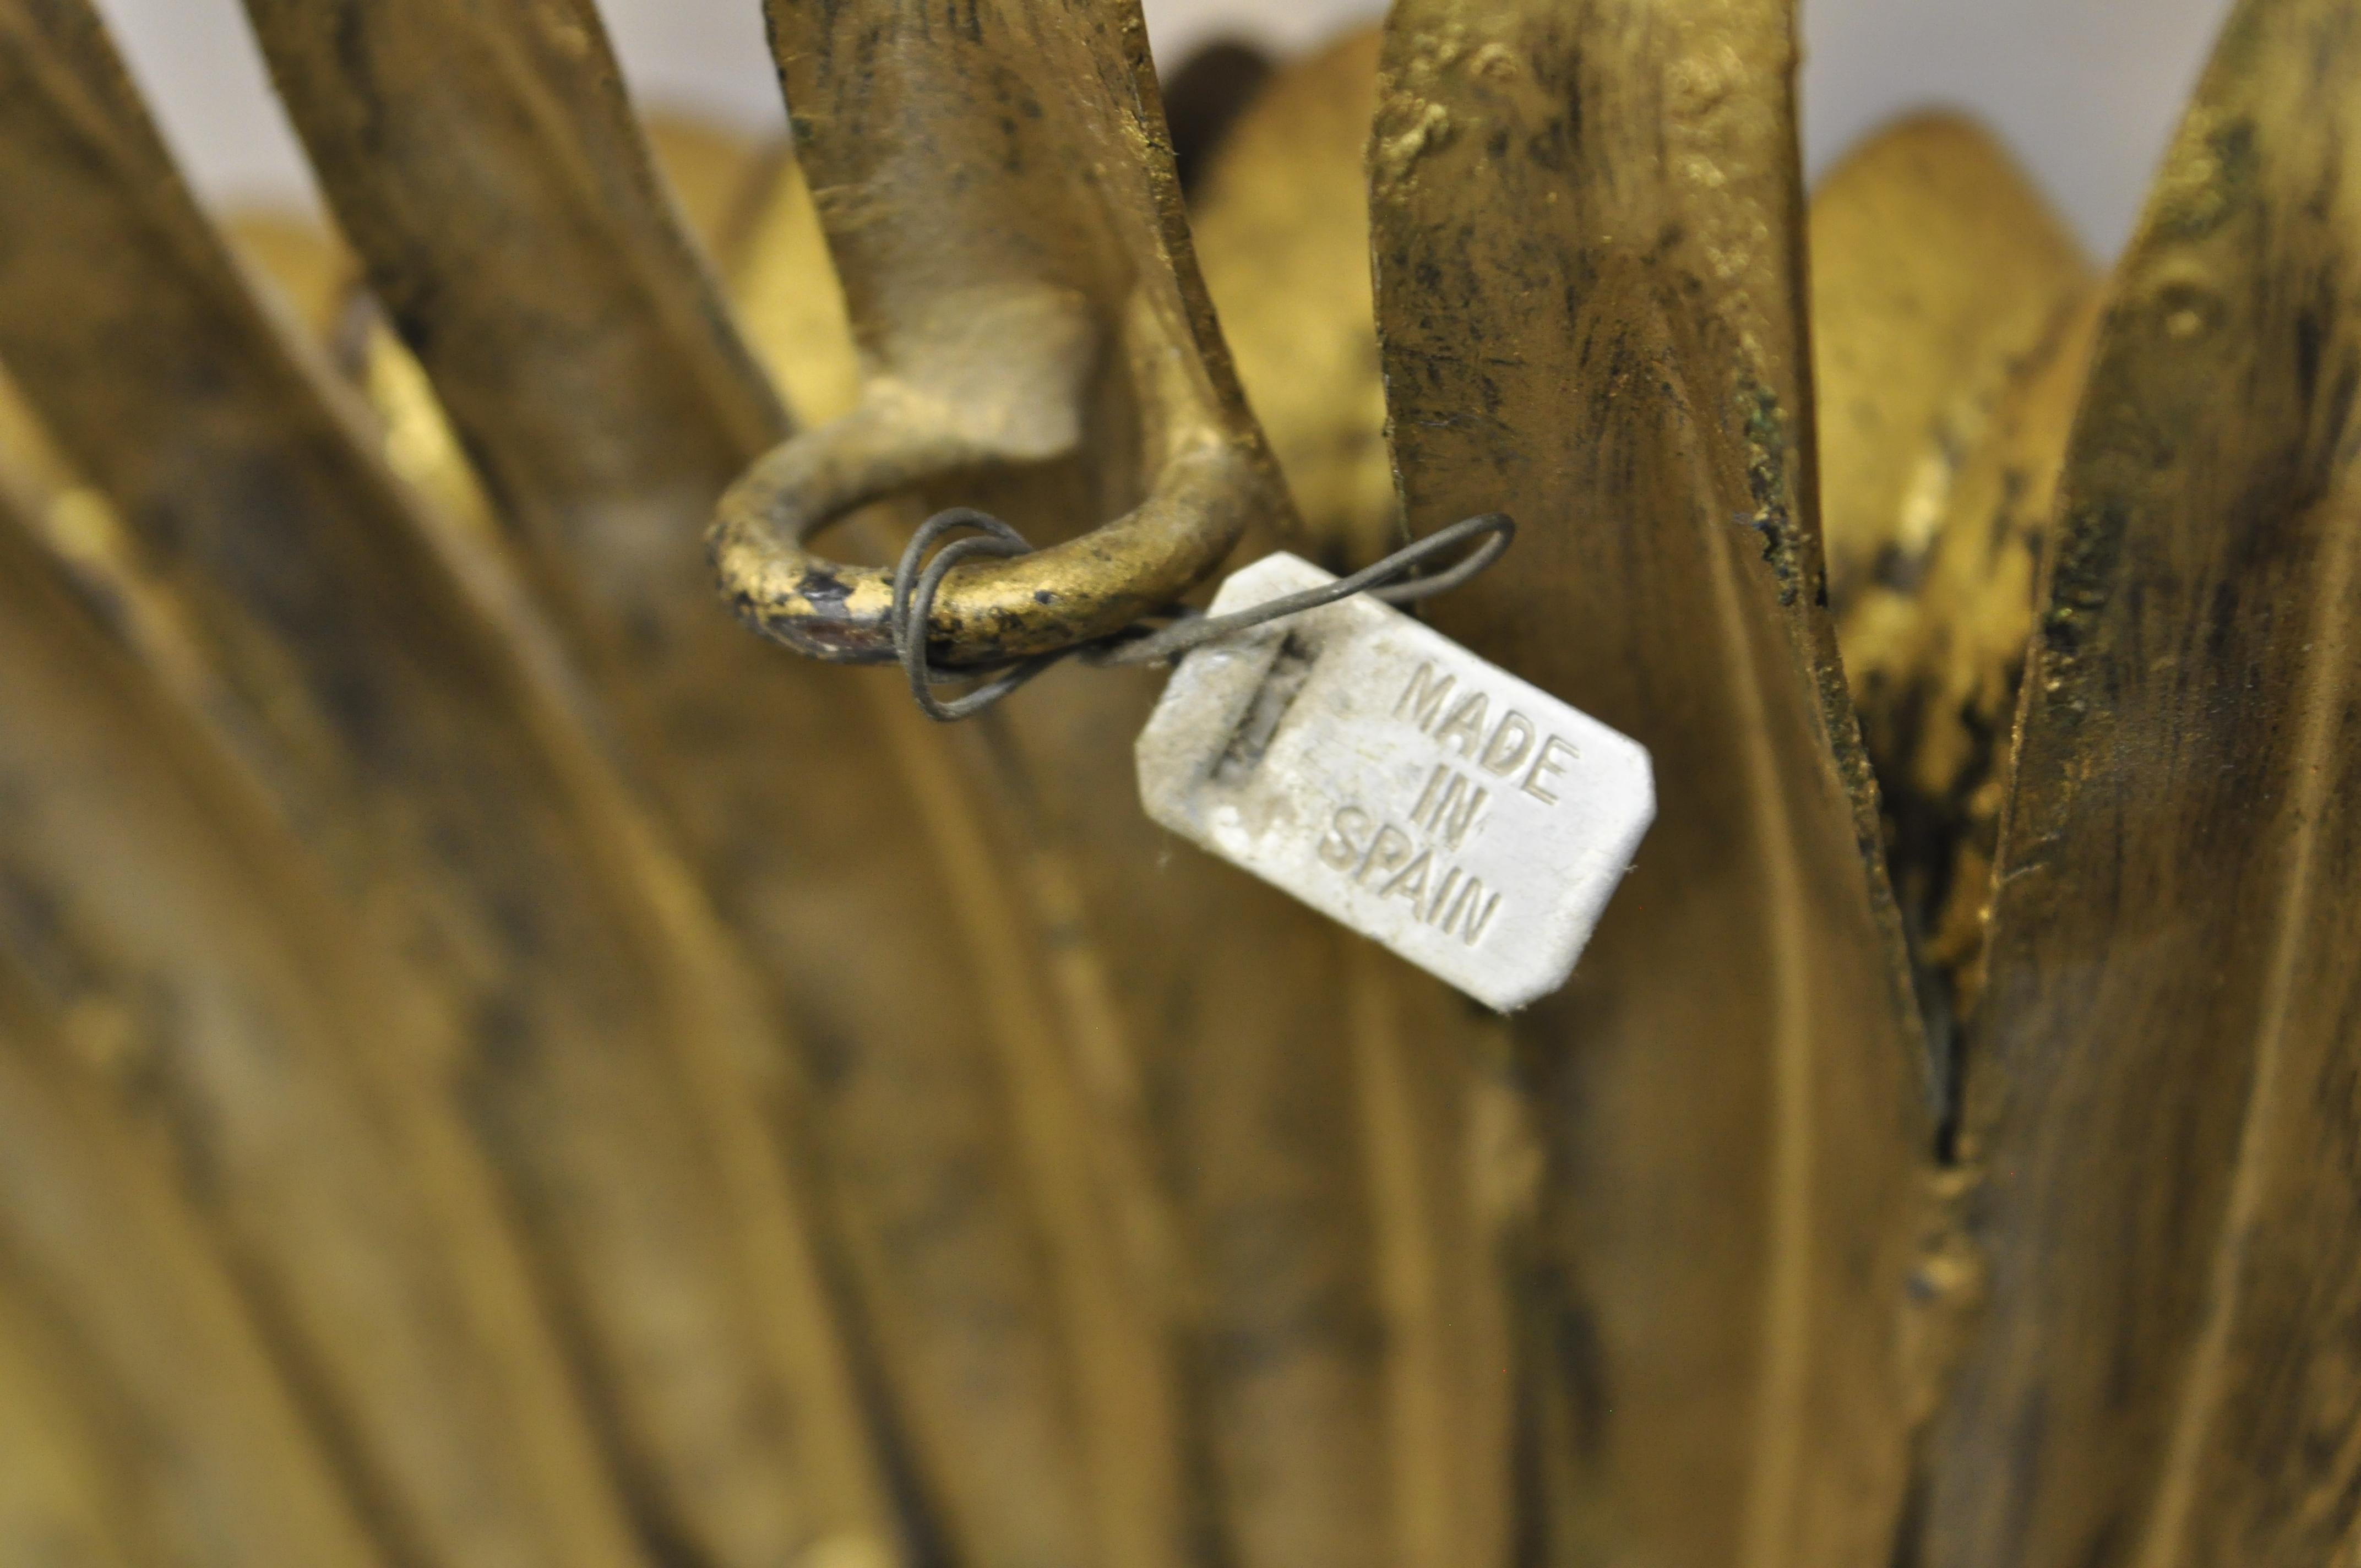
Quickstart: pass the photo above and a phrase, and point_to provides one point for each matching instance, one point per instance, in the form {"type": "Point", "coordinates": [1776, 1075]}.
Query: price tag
{"type": "Point", "coordinates": [1387, 777]}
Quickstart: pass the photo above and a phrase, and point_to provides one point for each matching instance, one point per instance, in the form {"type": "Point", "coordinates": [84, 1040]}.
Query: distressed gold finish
{"type": "Point", "coordinates": [1951, 317]}
{"type": "Point", "coordinates": [1731, 1089]}
{"type": "Point", "coordinates": [110, 1288]}
{"type": "Point", "coordinates": [189, 962]}
{"type": "Point", "coordinates": [397, 698]}
{"type": "Point", "coordinates": [2161, 1092]}
{"type": "Point", "coordinates": [1937, 276]}
{"type": "Point", "coordinates": [60, 1494]}
{"type": "Point", "coordinates": [996, 290]}
{"type": "Point", "coordinates": [501, 1069]}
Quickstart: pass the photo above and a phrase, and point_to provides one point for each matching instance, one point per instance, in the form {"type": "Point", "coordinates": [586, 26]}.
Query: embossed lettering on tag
{"type": "Point", "coordinates": [1387, 777]}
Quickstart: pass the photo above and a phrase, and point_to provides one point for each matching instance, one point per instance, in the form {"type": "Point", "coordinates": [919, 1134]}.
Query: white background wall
{"type": "Point", "coordinates": [2085, 91]}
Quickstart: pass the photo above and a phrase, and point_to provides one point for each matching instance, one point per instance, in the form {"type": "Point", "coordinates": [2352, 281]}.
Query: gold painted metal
{"type": "Point", "coordinates": [312, 267]}
{"type": "Point", "coordinates": [570, 330]}
{"type": "Point", "coordinates": [1945, 742]}
{"type": "Point", "coordinates": [1203, 1022]}
{"type": "Point", "coordinates": [411, 717]}
{"type": "Point", "coordinates": [1938, 275]}
{"type": "Point", "coordinates": [1214, 1001]}
{"type": "Point", "coordinates": [1589, 281]}
{"type": "Point", "coordinates": [1211, 1055]}
{"type": "Point", "coordinates": [500, 1067]}
{"type": "Point", "coordinates": [315, 274]}
{"type": "Point", "coordinates": [1015, 862]}
{"type": "Point", "coordinates": [1952, 318]}
{"type": "Point", "coordinates": [997, 290]}
{"type": "Point", "coordinates": [717, 180]}
{"type": "Point", "coordinates": [789, 301]}
{"type": "Point", "coordinates": [107, 1281]}
{"type": "Point", "coordinates": [1204, 1029]}
{"type": "Point", "coordinates": [199, 972]}
{"type": "Point", "coordinates": [2161, 1093]}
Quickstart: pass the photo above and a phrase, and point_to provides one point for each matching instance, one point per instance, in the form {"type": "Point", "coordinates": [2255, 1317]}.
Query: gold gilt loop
{"type": "Point", "coordinates": [1000, 202]}
{"type": "Point", "coordinates": [987, 611]}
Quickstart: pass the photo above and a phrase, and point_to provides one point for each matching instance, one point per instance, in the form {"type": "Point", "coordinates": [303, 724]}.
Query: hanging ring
{"type": "Point", "coordinates": [992, 606]}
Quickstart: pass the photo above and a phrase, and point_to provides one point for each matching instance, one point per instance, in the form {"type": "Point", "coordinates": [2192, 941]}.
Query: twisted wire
{"type": "Point", "coordinates": [917, 579]}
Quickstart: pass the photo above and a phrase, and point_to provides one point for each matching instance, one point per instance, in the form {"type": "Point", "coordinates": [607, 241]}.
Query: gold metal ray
{"type": "Point", "coordinates": [314, 273]}
{"type": "Point", "coordinates": [1219, 1035]}
{"type": "Point", "coordinates": [198, 970]}
{"type": "Point", "coordinates": [2160, 1089]}
{"type": "Point", "coordinates": [1000, 203]}
{"type": "Point", "coordinates": [580, 350]}
{"type": "Point", "coordinates": [415, 722]}
{"type": "Point", "coordinates": [1589, 286]}
{"type": "Point", "coordinates": [789, 303]}
{"type": "Point", "coordinates": [310, 266]}
{"type": "Point", "coordinates": [108, 1277]}
{"type": "Point", "coordinates": [1938, 272]}
{"type": "Point", "coordinates": [1950, 322]}
{"type": "Point", "coordinates": [1939, 697]}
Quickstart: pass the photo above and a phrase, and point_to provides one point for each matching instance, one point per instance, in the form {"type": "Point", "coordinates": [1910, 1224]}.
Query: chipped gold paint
{"type": "Point", "coordinates": [1951, 316]}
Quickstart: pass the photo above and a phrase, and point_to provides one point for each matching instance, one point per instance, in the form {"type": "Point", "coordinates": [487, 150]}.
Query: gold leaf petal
{"type": "Point", "coordinates": [2161, 1088]}
{"type": "Point", "coordinates": [593, 370]}
{"type": "Point", "coordinates": [411, 717]}
{"type": "Point", "coordinates": [1589, 286]}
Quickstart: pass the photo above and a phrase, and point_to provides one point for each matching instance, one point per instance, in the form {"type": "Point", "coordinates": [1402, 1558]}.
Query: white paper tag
{"type": "Point", "coordinates": [1393, 780]}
